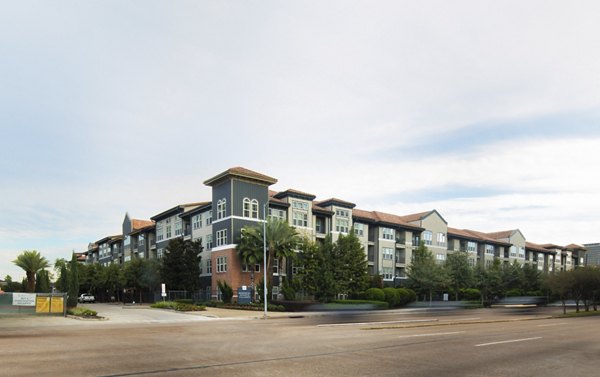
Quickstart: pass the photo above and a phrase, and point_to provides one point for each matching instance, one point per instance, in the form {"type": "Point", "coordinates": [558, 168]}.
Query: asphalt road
{"type": "Point", "coordinates": [146, 342]}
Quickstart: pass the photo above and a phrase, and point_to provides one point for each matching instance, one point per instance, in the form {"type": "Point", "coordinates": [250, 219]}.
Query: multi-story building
{"type": "Point", "coordinates": [592, 257]}
{"type": "Point", "coordinates": [241, 197]}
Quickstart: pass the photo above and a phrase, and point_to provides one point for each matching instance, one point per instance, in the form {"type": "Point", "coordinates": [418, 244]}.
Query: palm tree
{"type": "Point", "coordinates": [31, 261]}
{"type": "Point", "coordinates": [281, 241]}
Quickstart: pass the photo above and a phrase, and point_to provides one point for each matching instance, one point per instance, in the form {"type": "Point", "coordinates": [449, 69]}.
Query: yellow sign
{"type": "Point", "coordinates": [42, 304]}
{"type": "Point", "coordinates": [57, 305]}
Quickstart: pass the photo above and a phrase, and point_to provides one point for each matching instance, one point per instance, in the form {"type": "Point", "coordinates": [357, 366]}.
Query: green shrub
{"type": "Point", "coordinates": [391, 296]}
{"type": "Point", "coordinates": [361, 304]}
{"type": "Point", "coordinates": [82, 312]}
{"type": "Point", "coordinates": [179, 306]}
{"type": "Point", "coordinates": [375, 294]}
{"type": "Point", "coordinates": [226, 291]}
{"type": "Point", "coordinates": [185, 301]}
{"type": "Point", "coordinates": [515, 292]}
{"type": "Point", "coordinates": [470, 294]}
{"type": "Point", "coordinates": [406, 296]}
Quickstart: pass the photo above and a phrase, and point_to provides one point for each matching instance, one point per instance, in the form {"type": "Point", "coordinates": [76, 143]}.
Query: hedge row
{"type": "Point", "coordinates": [395, 297]}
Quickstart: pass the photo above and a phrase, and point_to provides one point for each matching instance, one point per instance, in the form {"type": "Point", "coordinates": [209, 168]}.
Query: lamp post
{"type": "Point", "coordinates": [265, 256]}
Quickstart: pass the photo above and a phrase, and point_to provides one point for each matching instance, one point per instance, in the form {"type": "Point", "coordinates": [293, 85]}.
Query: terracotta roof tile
{"type": "Point", "coordinates": [333, 201]}
{"type": "Point", "coordinates": [415, 216]}
{"type": "Point", "coordinates": [139, 224]}
{"type": "Point", "coordinates": [501, 235]}
{"type": "Point", "coordinates": [292, 192]}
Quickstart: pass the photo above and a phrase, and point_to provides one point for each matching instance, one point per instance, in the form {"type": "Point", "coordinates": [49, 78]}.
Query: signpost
{"type": "Point", "coordinates": [163, 293]}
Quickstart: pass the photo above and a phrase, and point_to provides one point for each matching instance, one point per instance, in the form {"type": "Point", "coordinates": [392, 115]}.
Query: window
{"type": "Point", "coordinates": [245, 268]}
{"type": "Point", "coordinates": [209, 242]}
{"type": "Point", "coordinates": [209, 218]}
{"type": "Point", "coordinates": [178, 228]}
{"type": "Point", "coordinates": [389, 234]}
{"type": "Point", "coordinates": [277, 214]}
{"type": "Point", "coordinates": [427, 237]}
{"type": "Point", "coordinates": [441, 239]}
{"type": "Point", "coordinates": [254, 213]}
{"type": "Point", "coordinates": [209, 266]}
{"type": "Point", "coordinates": [246, 207]}
{"type": "Point", "coordinates": [489, 249]}
{"type": "Point", "coordinates": [388, 253]}
{"type": "Point", "coordinates": [250, 208]}
{"type": "Point", "coordinates": [168, 231]}
{"type": "Point", "coordinates": [159, 231]}
{"type": "Point", "coordinates": [388, 273]}
{"type": "Point", "coordinates": [300, 205]}
{"type": "Point", "coordinates": [141, 240]}
{"type": "Point", "coordinates": [197, 222]}
{"type": "Point", "coordinates": [471, 247]}
{"type": "Point", "coordinates": [471, 262]}
{"type": "Point", "coordinates": [513, 251]}
{"type": "Point", "coordinates": [275, 266]}
{"type": "Point", "coordinates": [159, 253]}
{"type": "Point", "coordinates": [296, 269]}
{"type": "Point", "coordinates": [342, 225]}
{"type": "Point", "coordinates": [300, 219]}
{"type": "Point", "coordinates": [522, 252]}
{"type": "Point", "coordinates": [440, 258]}
{"type": "Point", "coordinates": [221, 208]}
{"type": "Point", "coordinates": [359, 229]}
{"type": "Point", "coordinates": [221, 237]}
{"type": "Point", "coordinates": [342, 213]}
{"type": "Point", "coordinates": [221, 264]}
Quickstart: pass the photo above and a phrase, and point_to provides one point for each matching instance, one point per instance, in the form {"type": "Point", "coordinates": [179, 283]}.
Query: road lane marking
{"type": "Point", "coordinates": [552, 324]}
{"type": "Point", "coordinates": [376, 323]}
{"type": "Point", "coordinates": [433, 334]}
{"type": "Point", "coordinates": [507, 341]}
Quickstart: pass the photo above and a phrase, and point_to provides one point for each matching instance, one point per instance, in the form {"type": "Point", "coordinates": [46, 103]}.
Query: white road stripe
{"type": "Point", "coordinates": [553, 324]}
{"type": "Point", "coordinates": [507, 341]}
{"type": "Point", "coordinates": [434, 334]}
{"type": "Point", "coordinates": [376, 323]}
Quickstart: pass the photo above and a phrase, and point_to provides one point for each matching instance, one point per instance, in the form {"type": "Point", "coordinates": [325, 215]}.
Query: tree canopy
{"type": "Point", "coordinates": [31, 262]}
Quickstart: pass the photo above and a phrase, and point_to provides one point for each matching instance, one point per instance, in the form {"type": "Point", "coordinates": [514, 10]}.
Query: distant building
{"type": "Point", "coordinates": [592, 257]}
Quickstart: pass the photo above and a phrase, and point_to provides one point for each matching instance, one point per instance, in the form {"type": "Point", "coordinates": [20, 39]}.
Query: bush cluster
{"type": "Point", "coordinates": [179, 305]}
{"type": "Point", "coordinates": [82, 312]}
{"type": "Point", "coordinates": [395, 297]}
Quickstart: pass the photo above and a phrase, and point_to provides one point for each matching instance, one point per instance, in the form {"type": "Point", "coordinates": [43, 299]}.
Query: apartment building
{"type": "Point", "coordinates": [242, 197]}
{"type": "Point", "coordinates": [592, 257]}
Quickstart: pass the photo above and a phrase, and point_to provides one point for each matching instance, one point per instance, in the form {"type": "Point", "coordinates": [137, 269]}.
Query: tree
{"type": "Point", "coordinates": [73, 280]}
{"type": "Point", "coordinates": [112, 280]}
{"type": "Point", "coordinates": [12, 286]}
{"type": "Point", "coordinates": [180, 268]}
{"type": "Point", "coordinates": [350, 265]}
{"type": "Point", "coordinates": [31, 261]}
{"type": "Point", "coordinates": [561, 284]}
{"type": "Point", "coordinates": [281, 241]}
{"type": "Point", "coordinates": [489, 280]}
{"type": "Point", "coordinates": [532, 279]}
{"type": "Point", "coordinates": [62, 284]}
{"type": "Point", "coordinates": [424, 273]}
{"type": "Point", "coordinates": [141, 274]}
{"type": "Point", "coordinates": [460, 273]}
{"type": "Point", "coordinates": [317, 276]}
{"type": "Point", "coordinates": [42, 282]}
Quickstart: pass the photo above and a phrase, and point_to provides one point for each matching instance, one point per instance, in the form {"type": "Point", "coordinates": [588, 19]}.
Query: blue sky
{"type": "Point", "coordinates": [486, 111]}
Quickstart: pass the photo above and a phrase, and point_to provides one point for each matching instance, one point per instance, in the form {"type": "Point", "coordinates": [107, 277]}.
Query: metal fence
{"type": "Point", "coordinates": [17, 303]}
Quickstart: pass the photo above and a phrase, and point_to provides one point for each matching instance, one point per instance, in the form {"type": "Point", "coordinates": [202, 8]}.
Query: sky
{"type": "Point", "coordinates": [487, 111]}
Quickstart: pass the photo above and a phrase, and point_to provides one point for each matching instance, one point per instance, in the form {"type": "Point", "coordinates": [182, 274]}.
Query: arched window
{"type": "Point", "coordinates": [221, 208]}
{"type": "Point", "coordinates": [246, 207]}
{"type": "Point", "coordinates": [254, 214]}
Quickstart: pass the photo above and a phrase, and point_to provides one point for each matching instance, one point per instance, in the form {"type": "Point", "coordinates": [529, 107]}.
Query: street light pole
{"type": "Point", "coordinates": [265, 256]}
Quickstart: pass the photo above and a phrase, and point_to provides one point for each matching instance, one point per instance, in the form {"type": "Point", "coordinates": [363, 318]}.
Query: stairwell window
{"type": "Point", "coordinates": [250, 208]}
{"type": "Point", "coordinates": [221, 237]}
{"type": "Point", "coordinates": [221, 208]}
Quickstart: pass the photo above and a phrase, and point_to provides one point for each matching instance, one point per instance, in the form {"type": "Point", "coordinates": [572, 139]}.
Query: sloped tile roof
{"type": "Point", "coordinates": [139, 224]}
{"type": "Point", "coordinates": [501, 235]}
{"type": "Point", "coordinates": [292, 192]}
{"type": "Point", "coordinates": [334, 201]}
{"type": "Point", "coordinates": [241, 172]}
{"type": "Point", "coordinates": [382, 217]}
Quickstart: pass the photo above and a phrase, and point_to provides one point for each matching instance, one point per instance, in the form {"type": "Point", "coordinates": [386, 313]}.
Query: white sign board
{"type": "Point", "coordinates": [24, 299]}
{"type": "Point", "coordinates": [163, 289]}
